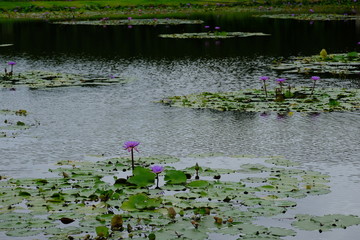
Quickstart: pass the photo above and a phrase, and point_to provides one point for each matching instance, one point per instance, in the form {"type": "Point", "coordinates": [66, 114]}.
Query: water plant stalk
{"type": "Point", "coordinates": [314, 78]}
{"type": "Point", "coordinates": [264, 78]}
{"type": "Point", "coordinates": [131, 146]}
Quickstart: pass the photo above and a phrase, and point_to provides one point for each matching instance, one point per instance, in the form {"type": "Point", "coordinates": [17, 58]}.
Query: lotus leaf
{"type": "Point", "coordinates": [140, 202]}
{"type": "Point", "coordinates": [233, 101]}
{"type": "Point", "coordinates": [326, 222]}
{"type": "Point", "coordinates": [175, 177]}
{"type": "Point", "coordinates": [132, 22]}
{"type": "Point", "coordinates": [198, 184]}
{"type": "Point", "coordinates": [216, 35]}
{"type": "Point", "coordinates": [42, 79]}
{"type": "Point", "coordinates": [142, 177]}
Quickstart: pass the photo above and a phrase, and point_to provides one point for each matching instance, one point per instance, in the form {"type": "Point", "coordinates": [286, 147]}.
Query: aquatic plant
{"type": "Point", "coordinates": [215, 34]}
{"type": "Point", "coordinates": [157, 169]}
{"type": "Point", "coordinates": [280, 81]}
{"type": "Point", "coordinates": [315, 79]}
{"type": "Point", "coordinates": [130, 146]}
{"type": "Point", "coordinates": [252, 100]}
{"type": "Point", "coordinates": [339, 64]}
{"type": "Point", "coordinates": [323, 54]}
{"type": "Point", "coordinates": [183, 209]}
{"type": "Point", "coordinates": [8, 75]}
{"type": "Point", "coordinates": [42, 79]}
{"type": "Point", "coordinates": [264, 78]}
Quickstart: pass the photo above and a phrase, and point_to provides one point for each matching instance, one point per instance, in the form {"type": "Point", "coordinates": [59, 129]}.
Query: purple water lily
{"type": "Point", "coordinates": [206, 26]}
{"type": "Point", "coordinates": [315, 79]}
{"type": "Point", "coordinates": [280, 81]}
{"type": "Point", "coordinates": [157, 169]}
{"type": "Point", "coordinates": [217, 28]}
{"type": "Point", "coordinates": [264, 78]}
{"type": "Point", "coordinates": [131, 146]}
{"type": "Point", "coordinates": [11, 63]}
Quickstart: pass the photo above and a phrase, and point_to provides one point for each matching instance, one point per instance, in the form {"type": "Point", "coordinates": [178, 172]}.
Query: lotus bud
{"type": "Point", "coordinates": [323, 54]}
{"type": "Point", "coordinates": [171, 212]}
{"type": "Point", "coordinates": [117, 222]}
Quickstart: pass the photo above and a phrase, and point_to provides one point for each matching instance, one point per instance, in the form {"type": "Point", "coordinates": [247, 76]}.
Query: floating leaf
{"type": "Point", "coordinates": [175, 177]}
{"type": "Point", "coordinates": [140, 202]}
{"type": "Point", "coordinates": [142, 177]}
{"type": "Point", "coordinates": [198, 184]}
{"type": "Point", "coordinates": [216, 35]}
{"type": "Point", "coordinates": [102, 231]}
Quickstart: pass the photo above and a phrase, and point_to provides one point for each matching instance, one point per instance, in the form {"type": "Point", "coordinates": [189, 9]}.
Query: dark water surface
{"type": "Point", "coordinates": [76, 123]}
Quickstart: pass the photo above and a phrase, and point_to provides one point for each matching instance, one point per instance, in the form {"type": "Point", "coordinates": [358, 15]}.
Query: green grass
{"type": "Point", "coordinates": [85, 9]}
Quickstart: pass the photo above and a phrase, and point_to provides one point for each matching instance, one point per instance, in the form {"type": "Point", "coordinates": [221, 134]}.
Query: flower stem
{"type": "Point", "coordinates": [312, 90]}
{"type": "Point", "coordinates": [157, 181]}
{"type": "Point", "coordinates": [265, 89]}
{"type": "Point", "coordinates": [132, 159]}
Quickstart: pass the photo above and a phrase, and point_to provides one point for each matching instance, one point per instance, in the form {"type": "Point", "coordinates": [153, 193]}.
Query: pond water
{"type": "Point", "coordinates": [79, 123]}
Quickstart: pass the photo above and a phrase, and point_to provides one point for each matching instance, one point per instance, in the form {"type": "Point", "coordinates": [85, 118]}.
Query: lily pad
{"type": "Point", "coordinates": [216, 35]}
{"type": "Point", "coordinates": [311, 16]}
{"type": "Point", "coordinates": [326, 222]}
{"type": "Point", "coordinates": [338, 64]}
{"type": "Point", "coordinates": [132, 22]}
{"type": "Point", "coordinates": [42, 79]}
{"type": "Point", "coordinates": [254, 100]}
{"type": "Point", "coordinates": [6, 45]}
{"type": "Point", "coordinates": [142, 177]}
{"type": "Point", "coordinates": [140, 202]}
{"type": "Point", "coordinates": [175, 177]}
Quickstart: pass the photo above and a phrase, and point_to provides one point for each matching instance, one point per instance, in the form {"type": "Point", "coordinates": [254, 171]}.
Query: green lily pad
{"type": "Point", "coordinates": [325, 223]}
{"type": "Point", "coordinates": [340, 64]}
{"type": "Point", "coordinates": [254, 100]}
{"type": "Point", "coordinates": [140, 202]}
{"type": "Point", "coordinates": [23, 233]}
{"type": "Point", "coordinates": [132, 22]}
{"type": "Point", "coordinates": [142, 177]}
{"type": "Point", "coordinates": [42, 79]}
{"type": "Point", "coordinates": [175, 177]}
{"type": "Point", "coordinates": [198, 184]}
{"type": "Point", "coordinates": [216, 35]}
{"type": "Point", "coordinates": [311, 16]}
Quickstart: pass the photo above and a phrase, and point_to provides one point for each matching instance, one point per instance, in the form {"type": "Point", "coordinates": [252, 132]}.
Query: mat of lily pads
{"type": "Point", "coordinates": [191, 203]}
{"type": "Point", "coordinates": [205, 35]}
{"type": "Point", "coordinates": [12, 123]}
{"type": "Point", "coordinates": [254, 100]}
{"type": "Point", "coordinates": [154, 21]}
{"type": "Point", "coordinates": [43, 79]}
{"type": "Point", "coordinates": [312, 16]}
{"type": "Point", "coordinates": [337, 64]}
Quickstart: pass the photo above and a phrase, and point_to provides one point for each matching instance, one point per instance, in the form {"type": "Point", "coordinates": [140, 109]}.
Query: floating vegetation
{"type": "Point", "coordinates": [42, 79]}
{"type": "Point", "coordinates": [254, 100]}
{"type": "Point", "coordinates": [216, 35]}
{"type": "Point", "coordinates": [80, 204]}
{"type": "Point", "coordinates": [311, 16]}
{"type": "Point", "coordinates": [338, 64]}
{"type": "Point", "coordinates": [12, 123]}
{"type": "Point", "coordinates": [6, 45]}
{"type": "Point", "coordinates": [133, 22]}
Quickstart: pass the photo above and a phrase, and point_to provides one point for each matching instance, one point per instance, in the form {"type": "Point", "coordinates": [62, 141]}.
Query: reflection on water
{"type": "Point", "coordinates": [77, 122]}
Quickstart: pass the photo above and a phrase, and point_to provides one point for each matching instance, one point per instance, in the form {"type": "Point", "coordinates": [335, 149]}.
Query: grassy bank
{"type": "Point", "coordinates": [84, 9]}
